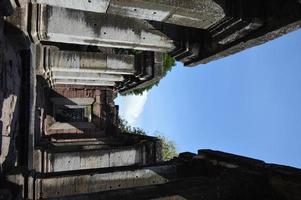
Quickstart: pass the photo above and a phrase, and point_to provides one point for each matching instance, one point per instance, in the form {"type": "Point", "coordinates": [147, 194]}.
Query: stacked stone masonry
{"type": "Point", "coordinates": [62, 63]}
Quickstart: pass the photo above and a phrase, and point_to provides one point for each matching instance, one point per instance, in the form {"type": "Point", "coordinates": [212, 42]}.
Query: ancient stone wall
{"type": "Point", "coordinates": [61, 64]}
{"type": "Point", "coordinates": [99, 99]}
{"type": "Point", "coordinates": [10, 83]}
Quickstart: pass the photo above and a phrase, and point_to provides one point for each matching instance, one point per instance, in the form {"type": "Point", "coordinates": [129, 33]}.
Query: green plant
{"type": "Point", "coordinates": [169, 150]}
{"type": "Point", "coordinates": [168, 147]}
{"type": "Point", "coordinates": [125, 127]}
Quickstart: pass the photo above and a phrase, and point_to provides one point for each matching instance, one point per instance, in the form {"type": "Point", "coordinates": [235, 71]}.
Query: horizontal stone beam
{"type": "Point", "coordinates": [105, 71]}
{"type": "Point", "coordinates": [89, 159]}
{"type": "Point", "coordinates": [54, 185]}
{"type": "Point", "coordinates": [255, 23]}
{"type": "Point", "coordinates": [192, 13]}
{"type": "Point", "coordinates": [99, 6]}
{"type": "Point", "coordinates": [72, 101]}
{"type": "Point", "coordinates": [74, 60]}
{"type": "Point", "coordinates": [86, 76]}
{"type": "Point", "coordinates": [84, 67]}
{"type": "Point", "coordinates": [62, 25]}
{"type": "Point", "coordinates": [82, 82]}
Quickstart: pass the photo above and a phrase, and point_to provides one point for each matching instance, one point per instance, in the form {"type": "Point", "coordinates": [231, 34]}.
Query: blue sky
{"type": "Point", "coordinates": [248, 104]}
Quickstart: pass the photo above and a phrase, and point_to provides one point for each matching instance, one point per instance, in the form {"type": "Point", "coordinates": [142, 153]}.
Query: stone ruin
{"type": "Point", "coordinates": [62, 63]}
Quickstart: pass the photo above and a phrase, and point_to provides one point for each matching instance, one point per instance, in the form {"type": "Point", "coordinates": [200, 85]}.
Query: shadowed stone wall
{"type": "Point", "coordinates": [10, 83]}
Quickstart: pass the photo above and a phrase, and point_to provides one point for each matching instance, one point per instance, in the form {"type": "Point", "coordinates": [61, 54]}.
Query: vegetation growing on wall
{"type": "Point", "coordinates": [168, 63]}
{"type": "Point", "coordinates": [168, 147]}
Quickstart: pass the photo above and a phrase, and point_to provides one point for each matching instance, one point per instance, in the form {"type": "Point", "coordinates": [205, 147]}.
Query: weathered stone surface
{"type": "Point", "coordinates": [74, 61]}
{"type": "Point", "coordinates": [150, 71]}
{"type": "Point", "coordinates": [63, 25]}
{"type": "Point", "coordinates": [84, 68]}
{"type": "Point", "coordinates": [10, 85]}
{"type": "Point", "coordinates": [60, 102]}
{"type": "Point", "coordinates": [210, 175]}
{"type": "Point", "coordinates": [99, 6]}
{"type": "Point", "coordinates": [64, 81]}
{"type": "Point", "coordinates": [72, 101]}
{"type": "Point", "coordinates": [86, 76]}
{"type": "Point", "coordinates": [55, 186]}
{"type": "Point", "coordinates": [91, 159]}
{"type": "Point", "coordinates": [254, 23]}
{"type": "Point", "coordinates": [71, 128]}
{"type": "Point", "coordinates": [72, 147]}
{"type": "Point", "coordinates": [191, 13]}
